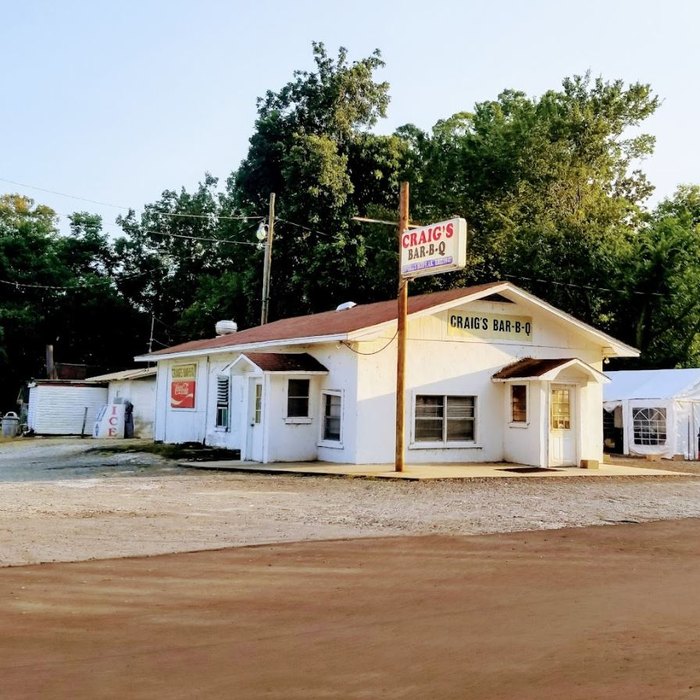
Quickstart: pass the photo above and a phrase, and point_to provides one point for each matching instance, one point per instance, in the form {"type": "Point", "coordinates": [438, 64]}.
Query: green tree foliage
{"type": "Point", "coordinates": [57, 290]}
{"type": "Point", "coordinates": [547, 185]}
{"type": "Point", "coordinates": [313, 148]}
{"type": "Point", "coordinates": [550, 187]}
{"type": "Point", "coordinates": [661, 302]}
{"type": "Point", "coordinates": [190, 260]}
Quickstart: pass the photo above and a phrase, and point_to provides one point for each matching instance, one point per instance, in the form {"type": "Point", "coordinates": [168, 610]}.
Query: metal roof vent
{"type": "Point", "coordinates": [226, 327]}
{"type": "Point", "coordinates": [345, 306]}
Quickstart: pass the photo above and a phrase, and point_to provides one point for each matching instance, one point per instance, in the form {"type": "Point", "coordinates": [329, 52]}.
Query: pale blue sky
{"type": "Point", "coordinates": [117, 101]}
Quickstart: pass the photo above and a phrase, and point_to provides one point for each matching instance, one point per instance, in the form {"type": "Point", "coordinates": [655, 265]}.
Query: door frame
{"type": "Point", "coordinates": [574, 425]}
{"type": "Point", "coordinates": [254, 452]}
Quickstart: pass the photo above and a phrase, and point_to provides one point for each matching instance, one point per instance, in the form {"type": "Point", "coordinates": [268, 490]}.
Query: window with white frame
{"type": "Point", "coordinates": [332, 416]}
{"type": "Point", "coordinates": [223, 401]}
{"type": "Point", "coordinates": [649, 426]}
{"type": "Point", "coordinates": [444, 418]}
{"type": "Point", "coordinates": [298, 398]}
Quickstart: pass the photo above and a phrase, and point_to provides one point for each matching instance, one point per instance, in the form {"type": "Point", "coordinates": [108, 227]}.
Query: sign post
{"type": "Point", "coordinates": [401, 334]}
{"type": "Point", "coordinates": [428, 250]}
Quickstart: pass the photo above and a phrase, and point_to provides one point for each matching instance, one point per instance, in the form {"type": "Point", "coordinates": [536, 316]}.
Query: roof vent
{"type": "Point", "coordinates": [226, 327]}
{"type": "Point", "coordinates": [345, 306]}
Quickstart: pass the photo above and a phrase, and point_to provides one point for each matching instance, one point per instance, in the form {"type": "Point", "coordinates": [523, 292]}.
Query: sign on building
{"type": "Point", "coordinates": [490, 326]}
{"type": "Point", "coordinates": [433, 249]}
{"type": "Point", "coordinates": [182, 386]}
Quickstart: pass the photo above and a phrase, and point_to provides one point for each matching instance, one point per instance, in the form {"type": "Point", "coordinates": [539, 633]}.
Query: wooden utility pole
{"type": "Point", "coordinates": [401, 334]}
{"type": "Point", "coordinates": [268, 261]}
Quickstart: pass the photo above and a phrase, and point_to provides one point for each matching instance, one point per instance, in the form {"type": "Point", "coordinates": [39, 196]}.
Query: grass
{"type": "Point", "coordinates": [189, 451]}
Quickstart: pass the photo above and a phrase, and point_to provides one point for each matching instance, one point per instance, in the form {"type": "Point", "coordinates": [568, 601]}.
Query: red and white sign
{"type": "Point", "coordinates": [433, 249]}
{"type": "Point", "coordinates": [183, 386]}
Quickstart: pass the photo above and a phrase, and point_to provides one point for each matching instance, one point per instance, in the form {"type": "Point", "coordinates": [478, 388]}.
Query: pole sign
{"type": "Point", "coordinates": [433, 249]}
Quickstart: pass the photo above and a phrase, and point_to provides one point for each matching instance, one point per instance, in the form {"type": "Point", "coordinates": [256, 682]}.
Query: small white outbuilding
{"type": "Point", "coordinates": [653, 412]}
{"type": "Point", "coordinates": [64, 407]}
{"type": "Point", "coordinates": [492, 374]}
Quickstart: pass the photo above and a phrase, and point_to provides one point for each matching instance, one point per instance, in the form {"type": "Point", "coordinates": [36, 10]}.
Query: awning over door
{"type": "Point", "coordinates": [530, 369]}
{"type": "Point", "coordinates": [281, 362]}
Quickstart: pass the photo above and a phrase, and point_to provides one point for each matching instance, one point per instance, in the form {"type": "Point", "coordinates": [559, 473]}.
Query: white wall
{"type": "Point", "coordinates": [440, 363]}
{"type": "Point", "coordinates": [179, 425]}
{"type": "Point", "coordinates": [232, 437]}
{"type": "Point", "coordinates": [142, 394]}
{"type": "Point", "coordinates": [59, 409]}
{"type": "Point", "coordinates": [522, 442]}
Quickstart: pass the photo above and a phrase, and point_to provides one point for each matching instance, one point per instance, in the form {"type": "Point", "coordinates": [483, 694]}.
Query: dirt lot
{"type": "Point", "coordinates": [59, 503]}
{"type": "Point", "coordinates": [362, 589]}
{"type": "Point", "coordinates": [588, 613]}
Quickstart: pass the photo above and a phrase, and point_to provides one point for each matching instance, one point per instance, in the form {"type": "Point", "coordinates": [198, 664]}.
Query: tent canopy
{"type": "Point", "coordinates": [652, 384]}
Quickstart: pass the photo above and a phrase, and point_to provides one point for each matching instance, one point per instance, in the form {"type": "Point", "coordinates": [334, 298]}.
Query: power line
{"type": "Point", "coordinates": [584, 286]}
{"type": "Point", "coordinates": [332, 236]}
{"type": "Point", "coordinates": [201, 238]}
{"type": "Point", "coordinates": [63, 194]}
{"type": "Point", "coordinates": [81, 285]}
{"type": "Point", "coordinates": [121, 206]}
{"type": "Point", "coordinates": [374, 352]}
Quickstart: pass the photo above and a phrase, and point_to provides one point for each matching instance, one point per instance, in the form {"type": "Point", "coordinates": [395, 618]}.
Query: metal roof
{"type": "Point", "coordinates": [139, 373]}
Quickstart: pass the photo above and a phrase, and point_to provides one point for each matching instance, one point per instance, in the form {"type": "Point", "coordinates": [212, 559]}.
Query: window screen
{"type": "Point", "coordinates": [298, 398]}
{"type": "Point", "coordinates": [444, 418]}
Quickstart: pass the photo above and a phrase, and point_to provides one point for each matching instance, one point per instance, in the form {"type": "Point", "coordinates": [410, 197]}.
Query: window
{"type": "Point", "coordinates": [332, 404]}
{"type": "Point", "coordinates": [561, 409]}
{"type": "Point", "coordinates": [298, 398]}
{"type": "Point", "coordinates": [444, 418]}
{"type": "Point", "coordinates": [223, 400]}
{"type": "Point", "coordinates": [518, 403]}
{"type": "Point", "coordinates": [258, 404]}
{"type": "Point", "coordinates": [649, 426]}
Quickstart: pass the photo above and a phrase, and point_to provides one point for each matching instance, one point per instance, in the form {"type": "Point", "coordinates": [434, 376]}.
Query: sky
{"type": "Point", "coordinates": [116, 102]}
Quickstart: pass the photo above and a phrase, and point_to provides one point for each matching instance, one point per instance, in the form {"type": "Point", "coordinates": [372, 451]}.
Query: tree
{"type": "Point", "coordinates": [188, 261]}
{"type": "Point", "coordinates": [57, 290]}
{"type": "Point", "coordinates": [662, 306]}
{"type": "Point", "coordinates": [312, 147]}
{"type": "Point", "coordinates": [547, 185]}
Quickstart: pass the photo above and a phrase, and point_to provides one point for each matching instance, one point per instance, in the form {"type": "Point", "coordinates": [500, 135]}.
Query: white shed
{"type": "Point", "coordinates": [492, 373]}
{"type": "Point", "coordinates": [653, 412]}
{"type": "Point", "coordinates": [64, 407]}
{"type": "Point", "coordinates": [138, 386]}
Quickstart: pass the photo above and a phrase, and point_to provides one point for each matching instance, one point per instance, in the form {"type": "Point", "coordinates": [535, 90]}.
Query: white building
{"type": "Point", "coordinates": [492, 373]}
{"type": "Point", "coordinates": [70, 407]}
{"type": "Point", "coordinates": [654, 411]}
{"type": "Point", "coordinates": [63, 406]}
{"type": "Point", "coordinates": [138, 387]}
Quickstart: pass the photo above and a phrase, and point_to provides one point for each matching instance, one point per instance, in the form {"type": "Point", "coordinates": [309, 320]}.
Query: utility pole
{"type": "Point", "coordinates": [401, 334]}
{"type": "Point", "coordinates": [268, 261]}
{"type": "Point", "coordinates": [150, 337]}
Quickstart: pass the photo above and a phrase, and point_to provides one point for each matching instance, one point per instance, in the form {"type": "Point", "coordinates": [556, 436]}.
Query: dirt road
{"type": "Point", "coordinates": [60, 503]}
{"type": "Point", "coordinates": [604, 612]}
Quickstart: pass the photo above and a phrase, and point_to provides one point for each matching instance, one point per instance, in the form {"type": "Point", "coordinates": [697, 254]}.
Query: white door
{"type": "Point", "coordinates": [254, 441]}
{"type": "Point", "coordinates": [562, 432]}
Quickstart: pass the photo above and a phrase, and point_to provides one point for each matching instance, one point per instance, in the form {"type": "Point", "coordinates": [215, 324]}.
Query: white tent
{"type": "Point", "coordinates": [657, 411]}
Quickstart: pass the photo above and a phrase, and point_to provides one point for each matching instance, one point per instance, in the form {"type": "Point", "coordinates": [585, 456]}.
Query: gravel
{"type": "Point", "coordinates": [59, 502]}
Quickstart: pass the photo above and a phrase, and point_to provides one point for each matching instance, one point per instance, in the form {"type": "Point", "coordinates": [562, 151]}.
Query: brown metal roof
{"type": "Point", "coordinates": [529, 367]}
{"type": "Point", "coordinates": [285, 362]}
{"type": "Point", "coordinates": [326, 323]}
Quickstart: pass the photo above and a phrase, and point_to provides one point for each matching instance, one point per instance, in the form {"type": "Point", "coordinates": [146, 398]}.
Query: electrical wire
{"type": "Point", "coordinates": [584, 286]}
{"type": "Point", "coordinates": [329, 235]}
{"type": "Point", "coordinates": [374, 352]}
{"type": "Point", "coordinates": [121, 206]}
